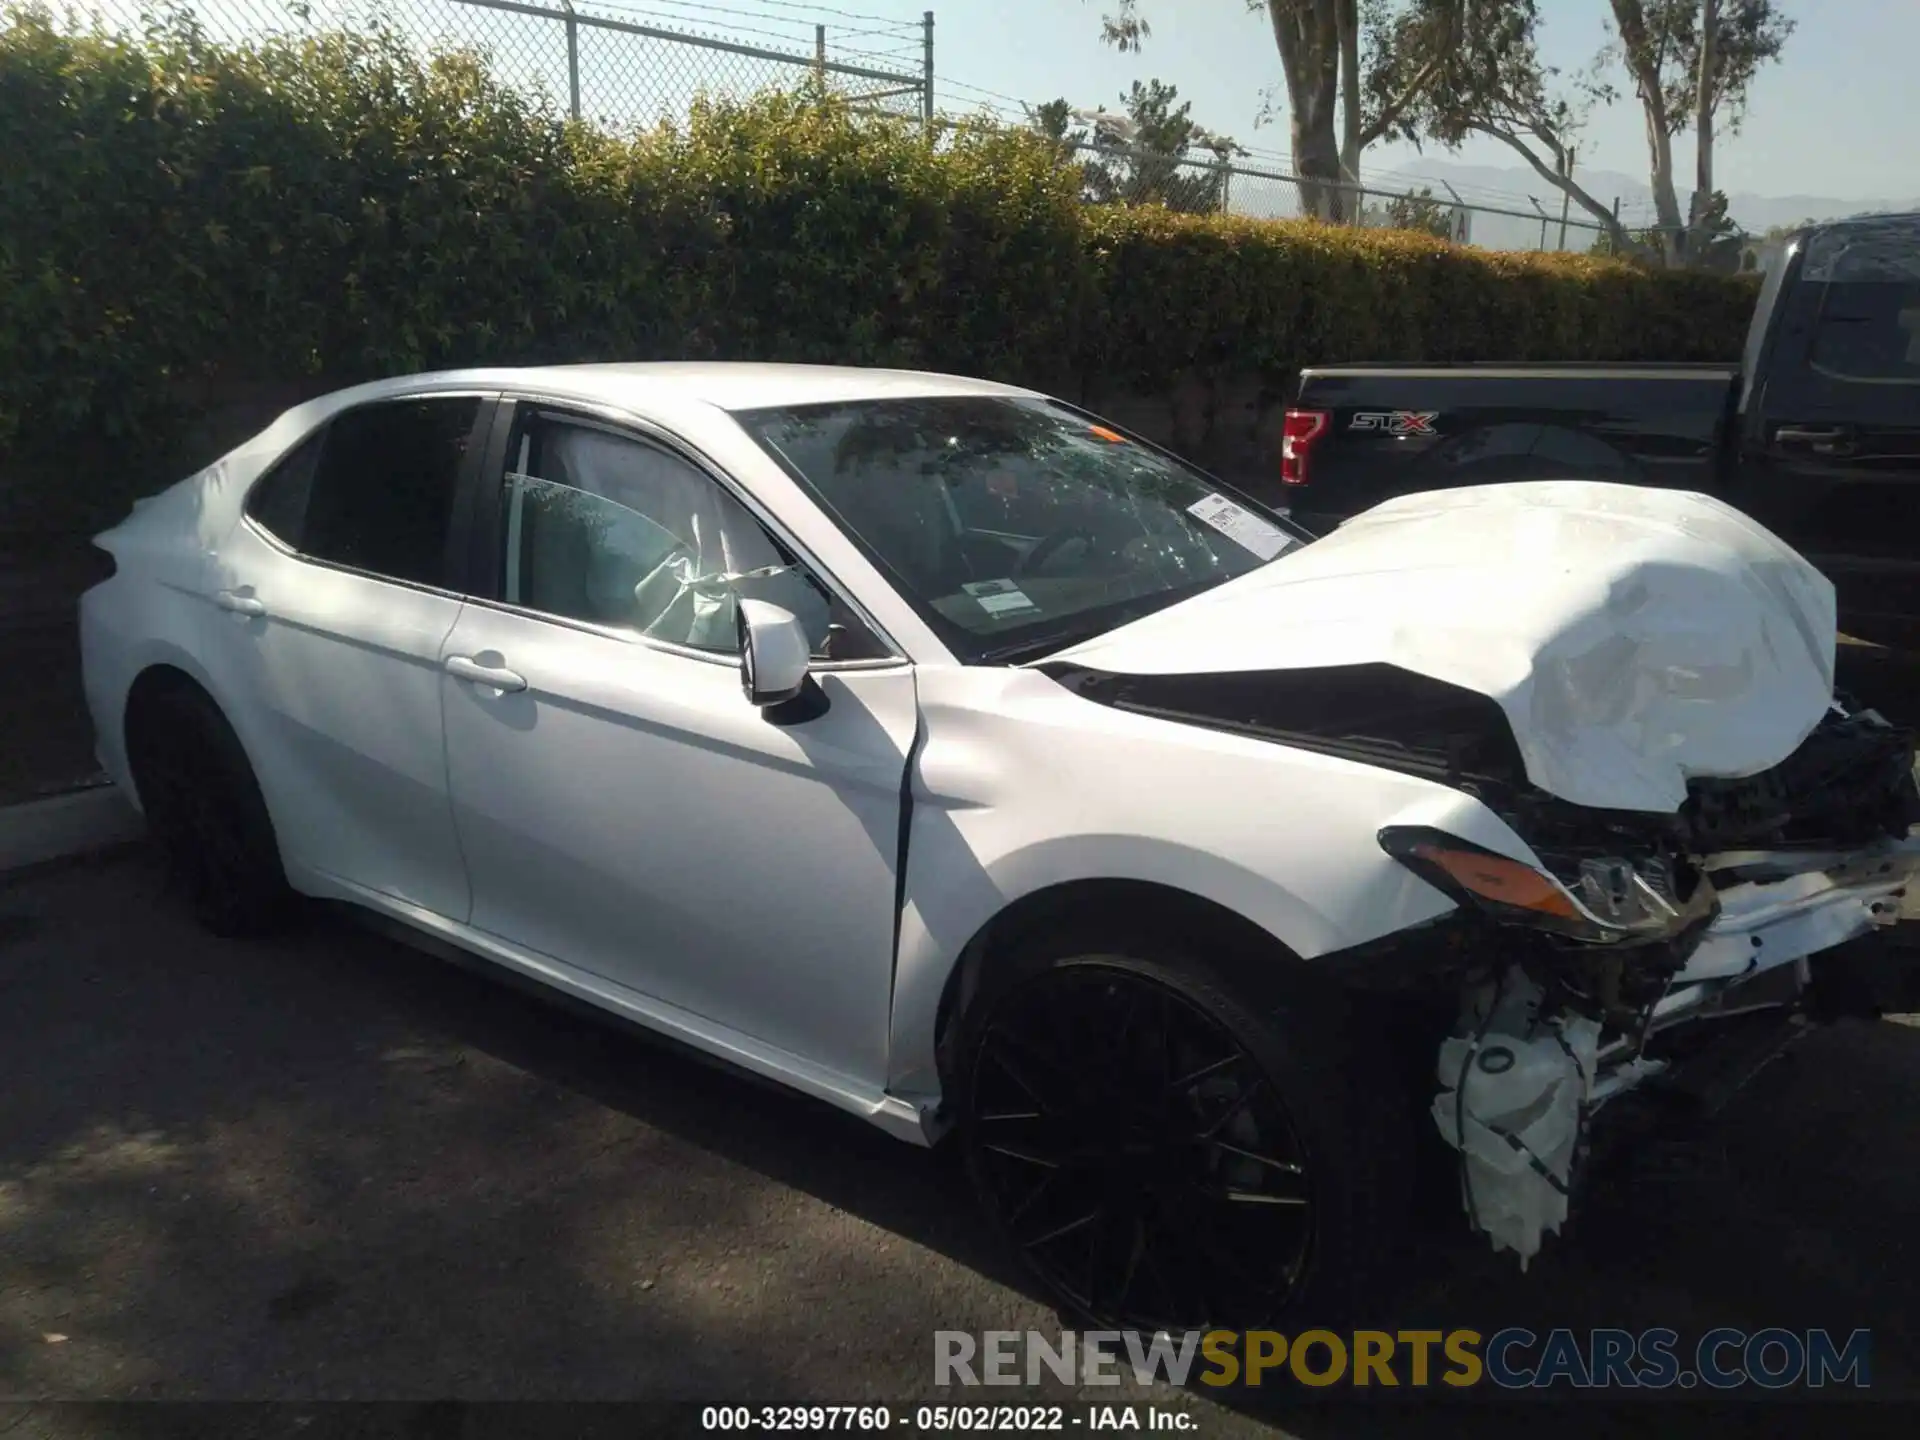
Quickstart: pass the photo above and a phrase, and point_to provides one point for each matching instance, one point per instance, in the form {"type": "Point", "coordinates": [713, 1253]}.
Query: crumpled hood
{"type": "Point", "coordinates": [1634, 637]}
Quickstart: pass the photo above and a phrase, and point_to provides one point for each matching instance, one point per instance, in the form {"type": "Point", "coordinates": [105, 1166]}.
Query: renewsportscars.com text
{"type": "Point", "coordinates": [1511, 1358]}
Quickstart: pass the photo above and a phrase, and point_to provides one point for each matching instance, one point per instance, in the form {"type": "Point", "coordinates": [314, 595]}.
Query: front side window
{"type": "Point", "coordinates": [604, 527]}
{"type": "Point", "coordinates": [1869, 322]}
{"type": "Point", "coordinates": [1016, 525]}
{"type": "Point", "coordinates": [378, 492]}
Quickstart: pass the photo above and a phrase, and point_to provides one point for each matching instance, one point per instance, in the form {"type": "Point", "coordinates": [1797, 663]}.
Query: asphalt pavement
{"type": "Point", "coordinates": [331, 1166]}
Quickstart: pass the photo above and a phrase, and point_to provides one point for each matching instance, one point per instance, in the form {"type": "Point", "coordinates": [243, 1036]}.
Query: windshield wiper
{"type": "Point", "coordinates": [1124, 614]}
{"type": "Point", "coordinates": [1031, 649]}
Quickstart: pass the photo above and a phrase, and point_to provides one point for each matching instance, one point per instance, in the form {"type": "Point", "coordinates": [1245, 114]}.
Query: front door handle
{"type": "Point", "coordinates": [465, 667]}
{"type": "Point", "coordinates": [240, 604]}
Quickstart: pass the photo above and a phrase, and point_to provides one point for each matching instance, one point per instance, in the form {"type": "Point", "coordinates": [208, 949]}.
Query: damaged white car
{"type": "Point", "coordinates": [955, 757]}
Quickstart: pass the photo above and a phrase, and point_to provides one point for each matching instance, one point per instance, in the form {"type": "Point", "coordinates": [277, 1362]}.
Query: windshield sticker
{"type": "Point", "coordinates": [1000, 597]}
{"type": "Point", "coordinates": [1241, 526]}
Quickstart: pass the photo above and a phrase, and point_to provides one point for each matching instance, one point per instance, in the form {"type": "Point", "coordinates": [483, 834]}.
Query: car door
{"type": "Point", "coordinates": [1834, 459]}
{"type": "Point", "coordinates": [622, 808]}
{"type": "Point", "coordinates": [336, 592]}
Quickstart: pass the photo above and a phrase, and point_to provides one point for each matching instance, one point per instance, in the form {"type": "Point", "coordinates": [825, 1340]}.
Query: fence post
{"type": "Point", "coordinates": [1565, 196]}
{"type": "Point", "coordinates": [573, 60]}
{"type": "Point", "coordinates": [926, 66]}
{"type": "Point", "coordinates": [820, 54]}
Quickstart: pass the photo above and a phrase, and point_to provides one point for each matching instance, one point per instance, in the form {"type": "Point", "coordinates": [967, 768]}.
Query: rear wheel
{"type": "Point", "coordinates": [205, 812]}
{"type": "Point", "coordinates": [1170, 1143]}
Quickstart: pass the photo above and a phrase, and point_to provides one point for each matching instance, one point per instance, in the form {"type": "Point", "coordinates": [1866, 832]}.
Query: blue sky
{"type": "Point", "coordinates": [1836, 117]}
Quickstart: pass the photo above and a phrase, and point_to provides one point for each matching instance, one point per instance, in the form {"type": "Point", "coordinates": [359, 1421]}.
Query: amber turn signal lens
{"type": "Point", "coordinates": [1502, 881]}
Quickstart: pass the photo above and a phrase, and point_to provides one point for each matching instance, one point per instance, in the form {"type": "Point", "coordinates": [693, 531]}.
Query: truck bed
{"type": "Point", "coordinates": [1389, 429]}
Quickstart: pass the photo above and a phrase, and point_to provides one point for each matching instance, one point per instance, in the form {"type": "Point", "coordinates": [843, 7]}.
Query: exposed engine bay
{"type": "Point", "coordinates": [1769, 887]}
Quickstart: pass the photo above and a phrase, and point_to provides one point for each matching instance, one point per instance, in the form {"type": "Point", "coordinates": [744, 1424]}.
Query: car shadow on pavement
{"type": "Point", "coordinates": [332, 1166]}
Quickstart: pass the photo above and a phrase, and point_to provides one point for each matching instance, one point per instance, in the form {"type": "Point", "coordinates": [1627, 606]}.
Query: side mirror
{"type": "Point", "coordinates": [774, 653]}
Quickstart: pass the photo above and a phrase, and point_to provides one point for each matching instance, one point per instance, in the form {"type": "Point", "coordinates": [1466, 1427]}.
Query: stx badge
{"type": "Point", "coordinates": [1396, 422]}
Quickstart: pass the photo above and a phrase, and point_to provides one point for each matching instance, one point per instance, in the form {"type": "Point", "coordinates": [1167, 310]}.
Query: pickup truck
{"type": "Point", "coordinates": [1814, 432]}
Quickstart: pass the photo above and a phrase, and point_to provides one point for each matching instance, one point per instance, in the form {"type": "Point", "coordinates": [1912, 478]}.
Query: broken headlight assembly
{"type": "Point", "coordinates": [1598, 899]}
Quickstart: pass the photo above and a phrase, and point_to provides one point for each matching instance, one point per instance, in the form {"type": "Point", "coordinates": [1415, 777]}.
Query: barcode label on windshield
{"type": "Point", "coordinates": [1241, 526]}
{"type": "Point", "coordinates": [1000, 597]}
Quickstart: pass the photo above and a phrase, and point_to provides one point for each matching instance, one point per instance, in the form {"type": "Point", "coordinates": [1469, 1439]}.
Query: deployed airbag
{"type": "Point", "coordinates": [1634, 638]}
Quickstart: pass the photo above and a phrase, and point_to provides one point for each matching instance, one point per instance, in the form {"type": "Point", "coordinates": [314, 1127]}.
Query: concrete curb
{"type": "Point", "coordinates": [65, 825]}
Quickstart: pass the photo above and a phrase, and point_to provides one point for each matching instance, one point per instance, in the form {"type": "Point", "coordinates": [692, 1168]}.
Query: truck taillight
{"type": "Point", "coordinates": [1300, 429]}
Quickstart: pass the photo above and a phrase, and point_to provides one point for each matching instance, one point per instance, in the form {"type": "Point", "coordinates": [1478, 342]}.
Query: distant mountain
{"type": "Point", "coordinates": [1508, 187]}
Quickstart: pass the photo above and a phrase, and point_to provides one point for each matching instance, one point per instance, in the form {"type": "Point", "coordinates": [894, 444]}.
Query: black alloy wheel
{"type": "Point", "coordinates": [206, 814]}
{"type": "Point", "coordinates": [1136, 1153]}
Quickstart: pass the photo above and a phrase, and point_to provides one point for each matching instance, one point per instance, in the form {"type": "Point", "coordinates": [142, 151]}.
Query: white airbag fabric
{"type": "Point", "coordinates": [1634, 637]}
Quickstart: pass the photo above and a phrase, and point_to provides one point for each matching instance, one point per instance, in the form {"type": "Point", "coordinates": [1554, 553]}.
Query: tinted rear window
{"type": "Point", "coordinates": [1868, 328]}
{"type": "Point", "coordinates": [279, 501]}
{"type": "Point", "coordinates": [383, 493]}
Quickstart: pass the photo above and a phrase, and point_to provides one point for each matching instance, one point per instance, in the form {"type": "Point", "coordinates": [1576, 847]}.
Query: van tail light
{"type": "Point", "coordinates": [1300, 429]}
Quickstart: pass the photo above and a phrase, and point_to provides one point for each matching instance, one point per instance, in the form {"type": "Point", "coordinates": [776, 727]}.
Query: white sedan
{"type": "Point", "coordinates": [964, 761]}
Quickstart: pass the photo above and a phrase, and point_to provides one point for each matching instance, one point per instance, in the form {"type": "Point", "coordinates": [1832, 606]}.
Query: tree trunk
{"type": "Point", "coordinates": [1643, 63]}
{"type": "Point", "coordinates": [1307, 35]}
{"type": "Point", "coordinates": [1316, 160]}
{"type": "Point", "coordinates": [1666, 204]}
{"type": "Point", "coordinates": [1666, 201]}
{"type": "Point", "coordinates": [1703, 129]}
{"type": "Point", "coordinates": [1347, 25]}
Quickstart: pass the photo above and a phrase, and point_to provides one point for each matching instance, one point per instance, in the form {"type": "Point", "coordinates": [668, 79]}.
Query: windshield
{"type": "Point", "coordinates": [1015, 525]}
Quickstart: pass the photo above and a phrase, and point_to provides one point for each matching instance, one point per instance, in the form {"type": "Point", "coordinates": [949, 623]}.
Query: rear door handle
{"type": "Point", "coordinates": [1827, 440]}
{"type": "Point", "coordinates": [465, 667]}
{"type": "Point", "coordinates": [240, 604]}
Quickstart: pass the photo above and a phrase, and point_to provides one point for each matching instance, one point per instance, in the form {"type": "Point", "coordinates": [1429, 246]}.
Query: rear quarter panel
{"type": "Point", "coordinates": [1644, 425]}
{"type": "Point", "coordinates": [154, 608]}
{"type": "Point", "coordinates": [169, 561]}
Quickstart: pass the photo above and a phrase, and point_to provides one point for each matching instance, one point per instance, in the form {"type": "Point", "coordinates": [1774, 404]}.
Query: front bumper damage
{"type": "Point", "coordinates": [1522, 1081]}
{"type": "Point", "coordinates": [1704, 827]}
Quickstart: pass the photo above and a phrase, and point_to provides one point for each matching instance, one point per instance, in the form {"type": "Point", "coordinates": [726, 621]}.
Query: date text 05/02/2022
{"type": "Point", "coordinates": [939, 1419]}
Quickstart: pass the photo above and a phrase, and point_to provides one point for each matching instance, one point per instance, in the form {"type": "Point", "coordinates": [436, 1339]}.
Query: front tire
{"type": "Point", "coordinates": [1174, 1137]}
{"type": "Point", "coordinates": [205, 812]}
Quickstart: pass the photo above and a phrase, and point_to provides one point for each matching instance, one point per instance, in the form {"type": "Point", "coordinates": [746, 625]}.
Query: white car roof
{"type": "Point", "coordinates": [725, 385]}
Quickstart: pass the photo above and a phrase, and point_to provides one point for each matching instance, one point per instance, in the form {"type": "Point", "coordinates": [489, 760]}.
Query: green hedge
{"type": "Point", "coordinates": [173, 210]}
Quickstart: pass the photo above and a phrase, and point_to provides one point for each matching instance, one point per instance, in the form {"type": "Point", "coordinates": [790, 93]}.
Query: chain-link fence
{"type": "Point", "coordinates": [615, 64]}
{"type": "Point", "coordinates": [1201, 182]}
{"type": "Point", "coordinates": [629, 62]}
